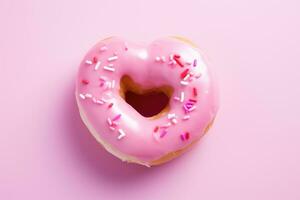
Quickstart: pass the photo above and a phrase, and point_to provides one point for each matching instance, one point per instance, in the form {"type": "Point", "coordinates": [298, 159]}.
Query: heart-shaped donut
{"type": "Point", "coordinates": [146, 103]}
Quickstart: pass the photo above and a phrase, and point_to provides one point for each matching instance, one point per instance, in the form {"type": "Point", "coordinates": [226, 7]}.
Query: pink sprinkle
{"type": "Point", "coordinates": [193, 100]}
{"type": "Point", "coordinates": [163, 133]}
{"type": "Point", "coordinates": [182, 137]}
{"type": "Point", "coordinates": [195, 63]}
{"type": "Point", "coordinates": [116, 117]}
{"type": "Point", "coordinates": [126, 47]}
{"type": "Point", "coordinates": [176, 58]}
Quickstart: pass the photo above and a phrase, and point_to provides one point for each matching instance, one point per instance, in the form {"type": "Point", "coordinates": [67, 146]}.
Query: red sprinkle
{"type": "Point", "coordinates": [193, 100]}
{"type": "Point", "coordinates": [84, 81]}
{"type": "Point", "coordinates": [184, 73]}
{"type": "Point", "coordinates": [156, 129]}
{"type": "Point", "coordinates": [176, 58]}
{"type": "Point", "coordinates": [110, 105]}
{"type": "Point", "coordinates": [195, 93]}
{"type": "Point", "coordinates": [187, 135]}
{"type": "Point", "coordinates": [95, 59]}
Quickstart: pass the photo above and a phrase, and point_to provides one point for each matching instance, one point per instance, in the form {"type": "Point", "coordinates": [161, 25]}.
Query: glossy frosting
{"type": "Point", "coordinates": [118, 126]}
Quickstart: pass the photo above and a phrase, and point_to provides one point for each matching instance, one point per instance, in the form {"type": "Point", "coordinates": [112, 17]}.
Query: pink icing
{"type": "Point", "coordinates": [153, 65]}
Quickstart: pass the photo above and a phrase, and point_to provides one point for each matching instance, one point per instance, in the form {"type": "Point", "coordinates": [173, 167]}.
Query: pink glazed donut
{"type": "Point", "coordinates": [146, 103]}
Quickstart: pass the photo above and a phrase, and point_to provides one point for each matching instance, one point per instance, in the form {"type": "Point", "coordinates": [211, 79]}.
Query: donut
{"type": "Point", "coordinates": [146, 103]}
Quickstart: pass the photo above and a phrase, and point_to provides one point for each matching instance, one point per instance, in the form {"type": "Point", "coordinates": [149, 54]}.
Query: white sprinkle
{"type": "Point", "coordinates": [166, 125]}
{"type": "Point", "coordinates": [89, 62]}
{"type": "Point", "coordinates": [121, 134]}
{"type": "Point", "coordinates": [104, 48]}
{"type": "Point", "coordinates": [97, 65]}
{"type": "Point", "coordinates": [113, 84]}
{"type": "Point", "coordinates": [171, 57]}
{"type": "Point", "coordinates": [174, 121]}
{"type": "Point", "coordinates": [108, 84]}
{"type": "Point", "coordinates": [184, 83]}
{"type": "Point", "coordinates": [171, 115]}
{"type": "Point", "coordinates": [82, 96]}
{"type": "Point", "coordinates": [112, 128]}
{"type": "Point", "coordinates": [192, 108]}
{"type": "Point", "coordinates": [99, 102]}
{"type": "Point", "coordinates": [186, 77]}
{"type": "Point", "coordinates": [104, 100]}
{"type": "Point", "coordinates": [157, 58]}
{"type": "Point", "coordinates": [181, 96]}
{"type": "Point", "coordinates": [113, 58]}
{"type": "Point", "coordinates": [109, 68]}
{"type": "Point", "coordinates": [87, 95]}
{"type": "Point", "coordinates": [186, 117]}
{"type": "Point", "coordinates": [109, 121]}
{"type": "Point", "coordinates": [163, 59]}
{"type": "Point", "coordinates": [188, 62]}
{"type": "Point", "coordinates": [176, 98]}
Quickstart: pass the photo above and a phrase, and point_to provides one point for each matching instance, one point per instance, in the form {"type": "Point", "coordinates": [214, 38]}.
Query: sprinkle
{"type": "Point", "coordinates": [184, 73]}
{"type": "Point", "coordinates": [97, 65]}
{"type": "Point", "coordinates": [109, 68]}
{"type": "Point", "coordinates": [182, 137]}
{"type": "Point", "coordinates": [95, 59]}
{"type": "Point", "coordinates": [104, 100]}
{"type": "Point", "coordinates": [112, 128]}
{"type": "Point", "coordinates": [195, 91]}
{"type": "Point", "coordinates": [163, 133]}
{"type": "Point", "coordinates": [102, 78]}
{"type": "Point", "coordinates": [110, 105]}
{"type": "Point", "coordinates": [155, 129]}
{"type": "Point", "coordinates": [192, 108]}
{"type": "Point", "coordinates": [113, 84]}
{"type": "Point", "coordinates": [176, 98]}
{"type": "Point", "coordinates": [176, 58]}
{"type": "Point", "coordinates": [166, 125]}
{"type": "Point", "coordinates": [195, 63]}
{"type": "Point", "coordinates": [171, 116]}
{"type": "Point", "coordinates": [186, 77]}
{"type": "Point", "coordinates": [82, 96]}
{"type": "Point", "coordinates": [181, 96]}
{"type": "Point", "coordinates": [171, 57]}
{"type": "Point", "coordinates": [184, 83]}
{"type": "Point", "coordinates": [109, 122]}
{"type": "Point", "coordinates": [126, 46]}
{"type": "Point", "coordinates": [99, 102]}
{"type": "Point", "coordinates": [117, 117]}
{"type": "Point", "coordinates": [187, 135]}
{"type": "Point", "coordinates": [188, 62]}
{"type": "Point", "coordinates": [193, 100]}
{"type": "Point", "coordinates": [104, 48]}
{"type": "Point", "coordinates": [186, 117]}
{"type": "Point", "coordinates": [157, 59]}
{"type": "Point", "coordinates": [163, 58]}
{"type": "Point", "coordinates": [113, 58]}
{"type": "Point", "coordinates": [174, 121]}
{"type": "Point", "coordinates": [89, 62]}
{"type": "Point", "coordinates": [84, 81]}
{"type": "Point", "coordinates": [122, 134]}
{"type": "Point", "coordinates": [87, 95]}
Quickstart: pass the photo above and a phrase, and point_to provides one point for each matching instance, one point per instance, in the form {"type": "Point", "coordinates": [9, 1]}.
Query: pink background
{"type": "Point", "coordinates": [252, 152]}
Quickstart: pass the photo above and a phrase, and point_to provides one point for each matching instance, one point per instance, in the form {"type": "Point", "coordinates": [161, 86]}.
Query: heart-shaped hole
{"type": "Point", "coordinates": [149, 102]}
